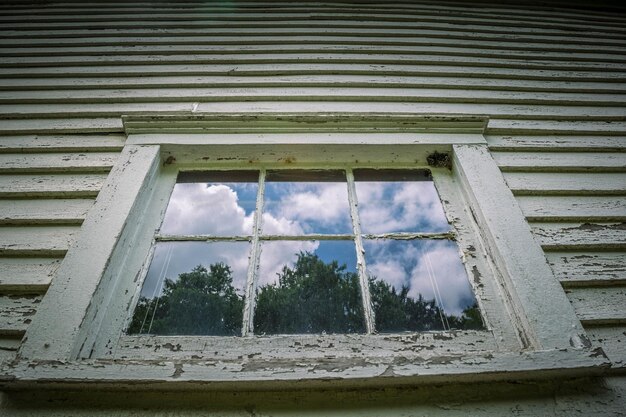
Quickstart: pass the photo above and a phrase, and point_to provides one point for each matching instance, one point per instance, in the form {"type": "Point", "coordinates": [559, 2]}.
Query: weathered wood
{"type": "Point", "coordinates": [612, 339]}
{"type": "Point", "coordinates": [588, 268]}
{"type": "Point", "coordinates": [27, 275]}
{"type": "Point", "coordinates": [539, 183]}
{"type": "Point", "coordinates": [60, 126]}
{"type": "Point", "coordinates": [57, 162]}
{"type": "Point", "coordinates": [569, 143]}
{"type": "Point", "coordinates": [312, 93]}
{"type": "Point", "coordinates": [555, 127]}
{"type": "Point", "coordinates": [98, 111]}
{"type": "Point", "coordinates": [16, 313]}
{"type": "Point", "coordinates": [579, 208]}
{"type": "Point", "coordinates": [578, 236]}
{"type": "Point", "coordinates": [560, 161]}
{"type": "Point", "coordinates": [51, 186]}
{"type": "Point", "coordinates": [345, 80]}
{"type": "Point", "coordinates": [8, 347]}
{"type": "Point", "coordinates": [313, 68]}
{"type": "Point", "coordinates": [36, 240]}
{"type": "Point", "coordinates": [62, 143]}
{"type": "Point", "coordinates": [602, 305]}
{"type": "Point", "coordinates": [44, 211]}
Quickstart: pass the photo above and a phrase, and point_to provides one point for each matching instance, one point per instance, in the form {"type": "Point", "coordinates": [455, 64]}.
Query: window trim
{"type": "Point", "coordinates": [63, 328]}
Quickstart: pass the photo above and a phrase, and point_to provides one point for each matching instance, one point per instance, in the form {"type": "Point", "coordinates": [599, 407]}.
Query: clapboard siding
{"type": "Point", "coordinates": [552, 81]}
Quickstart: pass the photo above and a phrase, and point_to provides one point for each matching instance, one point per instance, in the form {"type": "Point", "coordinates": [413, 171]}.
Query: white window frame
{"type": "Point", "coordinates": [76, 333]}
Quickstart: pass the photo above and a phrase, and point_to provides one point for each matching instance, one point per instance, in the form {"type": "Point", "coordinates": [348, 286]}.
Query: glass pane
{"type": "Point", "coordinates": [193, 288]}
{"type": "Point", "coordinates": [308, 287]}
{"type": "Point", "coordinates": [398, 201]}
{"type": "Point", "coordinates": [301, 202]}
{"type": "Point", "coordinates": [419, 285]}
{"type": "Point", "coordinates": [219, 203]}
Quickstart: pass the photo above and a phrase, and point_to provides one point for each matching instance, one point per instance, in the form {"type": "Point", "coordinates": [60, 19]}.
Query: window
{"type": "Point", "coordinates": [529, 327]}
{"type": "Point", "coordinates": [304, 251]}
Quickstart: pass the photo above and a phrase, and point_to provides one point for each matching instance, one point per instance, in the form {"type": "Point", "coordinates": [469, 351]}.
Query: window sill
{"type": "Point", "coordinates": [323, 372]}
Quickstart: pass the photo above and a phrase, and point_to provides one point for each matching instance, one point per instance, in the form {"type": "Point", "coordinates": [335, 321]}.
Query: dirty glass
{"type": "Point", "coordinates": [193, 288]}
{"type": "Point", "coordinates": [419, 285]}
{"type": "Point", "coordinates": [306, 202]}
{"type": "Point", "coordinates": [218, 203]}
{"type": "Point", "coordinates": [398, 201]}
{"type": "Point", "coordinates": [308, 287]}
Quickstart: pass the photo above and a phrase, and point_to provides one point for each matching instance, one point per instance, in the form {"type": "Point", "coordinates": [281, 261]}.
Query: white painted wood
{"type": "Point", "coordinates": [313, 80]}
{"type": "Point", "coordinates": [44, 211]}
{"type": "Point", "coordinates": [555, 127]}
{"type": "Point", "coordinates": [313, 68]}
{"type": "Point", "coordinates": [375, 372]}
{"type": "Point", "coordinates": [309, 94]}
{"type": "Point", "coordinates": [8, 347]}
{"type": "Point", "coordinates": [27, 275]}
{"type": "Point", "coordinates": [80, 274]}
{"type": "Point", "coordinates": [280, 104]}
{"type": "Point", "coordinates": [600, 305]}
{"type": "Point", "coordinates": [560, 161]}
{"type": "Point", "coordinates": [51, 185]}
{"type": "Point", "coordinates": [587, 267]}
{"type": "Point", "coordinates": [527, 280]}
{"type": "Point", "coordinates": [579, 236]}
{"type": "Point", "coordinates": [57, 162]}
{"type": "Point", "coordinates": [569, 143]}
{"type": "Point", "coordinates": [578, 208]}
{"type": "Point", "coordinates": [36, 240]}
{"type": "Point", "coordinates": [61, 126]}
{"type": "Point", "coordinates": [16, 313]}
{"type": "Point", "coordinates": [539, 183]}
{"type": "Point", "coordinates": [612, 339]}
{"type": "Point", "coordinates": [62, 143]}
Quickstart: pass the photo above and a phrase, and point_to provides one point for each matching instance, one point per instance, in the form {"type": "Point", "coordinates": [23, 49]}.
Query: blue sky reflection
{"type": "Point", "coordinates": [218, 209]}
{"type": "Point", "coordinates": [400, 206]}
{"type": "Point", "coordinates": [173, 258]}
{"type": "Point", "coordinates": [423, 266]}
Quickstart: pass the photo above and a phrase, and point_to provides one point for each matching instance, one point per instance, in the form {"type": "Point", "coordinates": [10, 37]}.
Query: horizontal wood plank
{"type": "Point", "coordinates": [579, 208]}
{"type": "Point", "coordinates": [16, 313]}
{"type": "Point", "coordinates": [601, 305]}
{"type": "Point", "coordinates": [36, 240]}
{"type": "Point", "coordinates": [44, 211]}
{"type": "Point", "coordinates": [57, 162]}
{"type": "Point", "coordinates": [9, 344]}
{"type": "Point", "coordinates": [27, 274]}
{"type": "Point", "coordinates": [539, 183]}
{"type": "Point", "coordinates": [51, 186]}
{"type": "Point", "coordinates": [553, 143]}
{"type": "Point", "coordinates": [62, 143]}
{"type": "Point", "coordinates": [573, 236]}
{"type": "Point", "coordinates": [560, 161]}
{"type": "Point", "coordinates": [61, 126]}
{"type": "Point", "coordinates": [588, 267]}
{"type": "Point", "coordinates": [612, 339]}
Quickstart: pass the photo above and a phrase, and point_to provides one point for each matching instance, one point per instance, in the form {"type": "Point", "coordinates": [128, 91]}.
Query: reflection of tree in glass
{"type": "Point", "coordinates": [313, 297]}
{"type": "Point", "coordinates": [200, 302]}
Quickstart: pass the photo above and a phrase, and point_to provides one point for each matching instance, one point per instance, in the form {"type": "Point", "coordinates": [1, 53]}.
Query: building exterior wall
{"type": "Point", "coordinates": [551, 80]}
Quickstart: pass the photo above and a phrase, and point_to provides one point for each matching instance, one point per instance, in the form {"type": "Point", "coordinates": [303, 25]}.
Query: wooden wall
{"type": "Point", "coordinates": [553, 82]}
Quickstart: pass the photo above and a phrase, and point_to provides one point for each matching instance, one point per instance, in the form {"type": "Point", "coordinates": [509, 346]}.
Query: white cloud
{"type": "Point", "coordinates": [405, 206]}
{"type": "Point", "coordinates": [196, 208]}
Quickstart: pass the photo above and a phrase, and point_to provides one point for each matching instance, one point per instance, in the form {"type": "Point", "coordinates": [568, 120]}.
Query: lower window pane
{"type": "Point", "coordinates": [308, 287]}
{"type": "Point", "coordinates": [193, 288]}
{"type": "Point", "coordinates": [419, 285]}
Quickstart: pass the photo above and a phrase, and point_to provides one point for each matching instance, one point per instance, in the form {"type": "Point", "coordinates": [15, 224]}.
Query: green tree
{"type": "Point", "coordinates": [311, 297]}
{"type": "Point", "coordinates": [199, 302]}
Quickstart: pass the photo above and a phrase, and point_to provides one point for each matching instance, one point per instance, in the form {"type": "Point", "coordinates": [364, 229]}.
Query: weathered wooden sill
{"type": "Point", "coordinates": [258, 374]}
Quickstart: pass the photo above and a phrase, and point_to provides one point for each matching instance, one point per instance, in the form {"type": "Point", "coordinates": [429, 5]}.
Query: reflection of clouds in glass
{"type": "Point", "coordinates": [313, 207]}
{"type": "Point", "coordinates": [276, 254]}
{"type": "Point", "coordinates": [173, 258]}
{"type": "Point", "coordinates": [401, 206]}
{"type": "Point", "coordinates": [215, 209]}
{"type": "Point", "coordinates": [414, 263]}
